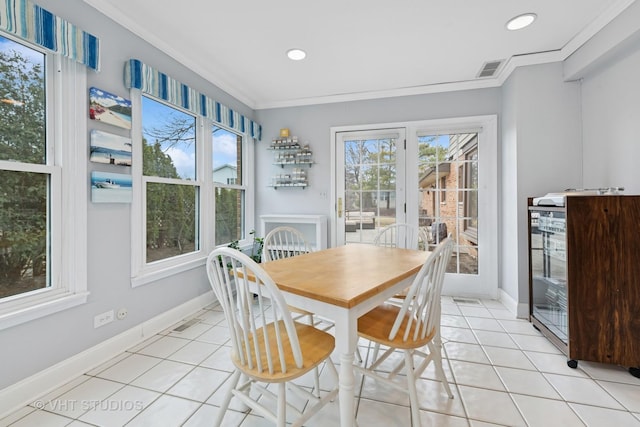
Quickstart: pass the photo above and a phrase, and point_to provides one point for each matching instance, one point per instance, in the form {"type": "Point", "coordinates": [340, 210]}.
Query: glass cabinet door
{"type": "Point", "coordinates": [549, 270]}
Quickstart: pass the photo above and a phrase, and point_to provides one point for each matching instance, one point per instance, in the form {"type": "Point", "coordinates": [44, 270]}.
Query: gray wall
{"type": "Point", "coordinates": [608, 66]}
{"type": "Point", "coordinates": [36, 345]}
{"type": "Point", "coordinates": [611, 112]}
{"type": "Point", "coordinates": [312, 124]}
{"type": "Point", "coordinates": [541, 153]}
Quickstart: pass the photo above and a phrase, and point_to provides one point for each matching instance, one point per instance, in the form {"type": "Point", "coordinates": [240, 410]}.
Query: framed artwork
{"type": "Point", "coordinates": [110, 149]}
{"type": "Point", "coordinates": [109, 187]}
{"type": "Point", "coordinates": [109, 108]}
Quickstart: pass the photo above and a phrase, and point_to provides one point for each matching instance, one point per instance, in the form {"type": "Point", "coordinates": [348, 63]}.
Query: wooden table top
{"type": "Point", "coordinates": [345, 275]}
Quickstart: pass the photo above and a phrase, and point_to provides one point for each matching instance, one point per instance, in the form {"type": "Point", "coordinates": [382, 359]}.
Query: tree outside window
{"type": "Point", "coordinates": [24, 175]}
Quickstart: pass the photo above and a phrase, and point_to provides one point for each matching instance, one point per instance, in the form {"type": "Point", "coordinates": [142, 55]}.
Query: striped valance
{"type": "Point", "coordinates": [39, 26]}
{"type": "Point", "coordinates": [140, 76]}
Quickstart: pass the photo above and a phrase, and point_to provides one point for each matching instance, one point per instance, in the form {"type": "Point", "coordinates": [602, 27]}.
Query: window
{"type": "Point", "coordinates": [228, 185]}
{"type": "Point", "coordinates": [181, 210]}
{"type": "Point", "coordinates": [24, 223]}
{"type": "Point", "coordinates": [34, 212]}
{"type": "Point", "coordinates": [170, 188]}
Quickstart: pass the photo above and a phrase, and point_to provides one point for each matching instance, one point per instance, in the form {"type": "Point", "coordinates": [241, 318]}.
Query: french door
{"type": "Point", "coordinates": [371, 194]}
{"type": "Point", "coordinates": [439, 176]}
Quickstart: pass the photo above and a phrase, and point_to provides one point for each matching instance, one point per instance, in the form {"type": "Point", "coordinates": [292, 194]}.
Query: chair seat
{"type": "Point", "coordinates": [298, 310]}
{"type": "Point", "coordinates": [316, 345]}
{"type": "Point", "coordinates": [376, 326]}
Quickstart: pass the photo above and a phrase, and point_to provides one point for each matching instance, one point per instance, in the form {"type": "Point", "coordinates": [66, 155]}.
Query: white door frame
{"type": "Point", "coordinates": [485, 284]}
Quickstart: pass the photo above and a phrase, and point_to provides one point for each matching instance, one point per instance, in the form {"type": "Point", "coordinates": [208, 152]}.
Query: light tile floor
{"type": "Point", "coordinates": [502, 372]}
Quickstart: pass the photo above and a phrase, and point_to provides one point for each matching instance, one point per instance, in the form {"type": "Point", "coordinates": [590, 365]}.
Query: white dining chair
{"type": "Point", "coordinates": [284, 242]}
{"type": "Point", "coordinates": [400, 235]}
{"type": "Point", "coordinates": [409, 327]}
{"type": "Point", "coordinates": [267, 345]}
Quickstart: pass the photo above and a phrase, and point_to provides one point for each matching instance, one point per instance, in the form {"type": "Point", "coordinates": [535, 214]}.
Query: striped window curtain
{"type": "Point", "coordinates": [138, 75]}
{"type": "Point", "coordinates": [34, 24]}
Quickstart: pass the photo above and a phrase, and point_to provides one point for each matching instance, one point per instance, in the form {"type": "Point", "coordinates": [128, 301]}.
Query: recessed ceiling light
{"type": "Point", "coordinates": [296, 54]}
{"type": "Point", "coordinates": [521, 21]}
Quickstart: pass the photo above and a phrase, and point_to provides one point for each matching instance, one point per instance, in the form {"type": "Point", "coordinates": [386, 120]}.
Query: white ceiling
{"type": "Point", "coordinates": [356, 49]}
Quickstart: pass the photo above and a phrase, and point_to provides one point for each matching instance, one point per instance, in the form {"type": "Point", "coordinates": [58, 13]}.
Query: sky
{"type": "Point", "coordinates": [31, 54]}
{"type": "Point", "coordinates": [109, 140]}
{"type": "Point", "coordinates": [107, 99]}
{"type": "Point", "coordinates": [183, 155]}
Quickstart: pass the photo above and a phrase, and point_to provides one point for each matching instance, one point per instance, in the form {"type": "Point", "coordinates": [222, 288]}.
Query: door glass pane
{"type": "Point", "coordinates": [448, 185]}
{"type": "Point", "coordinates": [370, 187]}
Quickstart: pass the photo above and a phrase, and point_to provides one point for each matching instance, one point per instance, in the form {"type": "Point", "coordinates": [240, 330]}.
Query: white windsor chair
{"type": "Point", "coordinates": [268, 346]}
{"type": "Point", "coordinates": [408, 327]}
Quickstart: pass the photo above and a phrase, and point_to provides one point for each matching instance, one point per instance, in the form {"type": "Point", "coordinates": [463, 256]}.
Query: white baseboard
{"type": "Point", "coordinates": [520, 310]}
{"type": "Point", "coordinates": [26, 391]}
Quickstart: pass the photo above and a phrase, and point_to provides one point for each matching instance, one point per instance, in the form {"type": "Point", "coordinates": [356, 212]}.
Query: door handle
{"type": "Point", "coordinates": [339, 207]}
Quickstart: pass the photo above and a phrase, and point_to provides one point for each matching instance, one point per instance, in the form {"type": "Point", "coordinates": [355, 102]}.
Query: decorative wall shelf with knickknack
{"type": "Point", "coordinates": [290, 154]}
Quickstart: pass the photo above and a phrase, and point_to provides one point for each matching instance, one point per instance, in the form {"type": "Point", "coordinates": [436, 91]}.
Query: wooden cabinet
{"type": "Point", "coordinates": [584, 277]}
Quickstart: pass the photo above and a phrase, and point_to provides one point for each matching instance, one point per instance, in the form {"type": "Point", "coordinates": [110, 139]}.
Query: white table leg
{"type": "Point", "coordinates": [346, 339]}
{"type": "Point", "coordinates": [346, 392]}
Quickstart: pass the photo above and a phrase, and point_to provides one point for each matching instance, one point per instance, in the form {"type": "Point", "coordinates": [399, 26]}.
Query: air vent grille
{"type": "Point", "coordinates": [489, 69]}
{"type": "Point", "coordinates": [186, 325]}
{"type": "Point", "coordinates": [466, 301]}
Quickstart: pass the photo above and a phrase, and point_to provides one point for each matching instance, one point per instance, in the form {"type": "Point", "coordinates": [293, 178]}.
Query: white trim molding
{"type": "Point", "coordinates": [34, 387]}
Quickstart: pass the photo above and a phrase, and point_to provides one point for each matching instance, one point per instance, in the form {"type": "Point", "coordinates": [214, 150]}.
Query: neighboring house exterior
{"type": "Point", "coordinates": [225, 174]}
{"type": "Point", "coordinates": [449, 193]}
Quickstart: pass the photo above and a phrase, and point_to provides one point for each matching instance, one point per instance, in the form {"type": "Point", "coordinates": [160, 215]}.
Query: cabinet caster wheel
{"type": "Point", "coordinates": [573, 364]}
{"type": "Point", "coordinates": [635, 372]}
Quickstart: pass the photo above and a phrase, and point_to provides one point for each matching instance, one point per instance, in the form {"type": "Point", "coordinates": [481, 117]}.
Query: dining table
{"type": "Point", "coordinates": [341, 284]}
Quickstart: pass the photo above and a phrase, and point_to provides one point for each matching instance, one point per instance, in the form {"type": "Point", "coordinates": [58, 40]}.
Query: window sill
{"type": "Point", "coordinates": [29, 310]}
{"type": "Point", "coordinates": [158, 273]}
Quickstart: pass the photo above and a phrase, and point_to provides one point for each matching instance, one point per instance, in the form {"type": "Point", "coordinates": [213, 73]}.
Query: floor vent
{"type": "Point", "coordinates": [489, 68]}
{"type": "Point", "coordinates": [466, 301]}
{"type": "Point", "coordinates": [186, 325]}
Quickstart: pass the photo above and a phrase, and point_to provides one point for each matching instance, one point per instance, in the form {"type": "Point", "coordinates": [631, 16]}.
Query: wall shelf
{"type": "Point", "coordinates": [288, 153]}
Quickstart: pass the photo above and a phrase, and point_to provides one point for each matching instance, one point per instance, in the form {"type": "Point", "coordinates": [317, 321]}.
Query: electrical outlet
{"type": "Point", "coordinates": [122, 313]}
{"type": "Point", "coordinates": [103, 319]}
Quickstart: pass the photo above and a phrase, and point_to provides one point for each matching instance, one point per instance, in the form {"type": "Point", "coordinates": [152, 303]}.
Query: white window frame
{"type": "Point", "coordinates": [66, 133]}
{"type": "Point", "coordinates": [143, 273]}
{"type": "Point", "coordinates": [249, 224]}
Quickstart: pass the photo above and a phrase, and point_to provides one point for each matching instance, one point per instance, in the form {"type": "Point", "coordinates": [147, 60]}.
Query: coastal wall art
{"type": "Point", "coordinates": [109, 108]}
{"type": "Point", "coordinates": [110, 149]}
{"type": "Point", "coordinates": [109, 187]}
